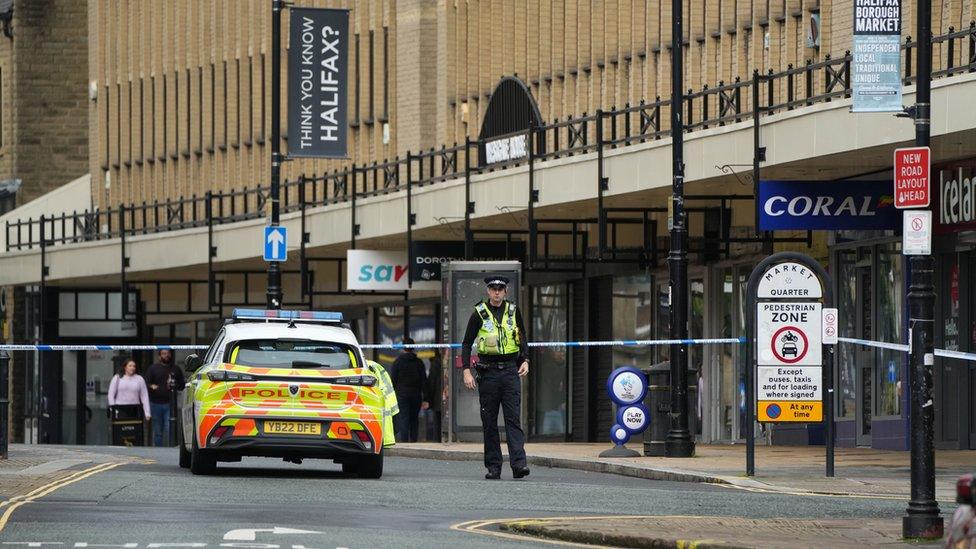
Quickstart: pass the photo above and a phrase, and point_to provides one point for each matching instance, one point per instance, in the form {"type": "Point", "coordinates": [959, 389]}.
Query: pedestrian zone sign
{"type": "Point", "coordinates": [790, 373]}
{"type": "Point", "coordinates": [275, 243]}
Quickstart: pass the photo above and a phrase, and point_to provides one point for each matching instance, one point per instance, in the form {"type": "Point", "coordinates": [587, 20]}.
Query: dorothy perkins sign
{"type": "Point", "coordinates": [318, 76]}
{"type": "Point", "coordinates": [876, 80]}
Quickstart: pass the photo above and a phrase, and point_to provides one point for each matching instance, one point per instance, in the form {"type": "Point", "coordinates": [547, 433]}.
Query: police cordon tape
{"type": "Point", "coordinates": [532, 344]}
{"type": "Point", "coordinates": [613, 343]}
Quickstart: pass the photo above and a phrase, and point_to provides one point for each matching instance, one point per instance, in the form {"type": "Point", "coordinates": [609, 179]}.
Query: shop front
{"type": "Point", "coordinates": [954, 186]}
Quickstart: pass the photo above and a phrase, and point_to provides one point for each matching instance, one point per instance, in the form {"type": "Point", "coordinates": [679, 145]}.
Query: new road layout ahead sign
{"type": "Point", "coordinates": [912, 170]}
{"type": "Point", "coordinates": [275, 243]}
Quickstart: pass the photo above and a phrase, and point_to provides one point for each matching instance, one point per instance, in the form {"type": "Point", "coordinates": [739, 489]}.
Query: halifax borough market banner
{"type": "Point", "coordinates": [876, 78]}
{"type": "Point", "coordinates": [318, 79]}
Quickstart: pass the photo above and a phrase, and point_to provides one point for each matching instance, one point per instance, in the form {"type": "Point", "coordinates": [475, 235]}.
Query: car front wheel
{"type": "Point", "coordinates": [185, 457]}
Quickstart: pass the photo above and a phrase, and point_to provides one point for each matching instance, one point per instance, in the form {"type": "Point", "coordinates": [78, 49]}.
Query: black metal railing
{"type": "Point", "coordinates": [796, 86]}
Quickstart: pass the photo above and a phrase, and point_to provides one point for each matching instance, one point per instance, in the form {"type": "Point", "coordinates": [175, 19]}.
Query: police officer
{"type": "Point", "coordinates": [497, 331]}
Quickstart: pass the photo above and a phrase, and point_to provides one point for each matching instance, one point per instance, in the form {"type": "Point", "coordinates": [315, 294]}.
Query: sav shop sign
{"type": "Point", "coordinates": [826, 205]}
{"type": "Point", "coordinates": [381, 270]}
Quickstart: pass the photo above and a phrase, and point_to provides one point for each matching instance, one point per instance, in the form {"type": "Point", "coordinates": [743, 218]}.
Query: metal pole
{"type": "Point", "coordinates": [274, 294]}
{"type": "Point", "coordinates": [4, 403]}
{"type": "Point", "coordinates": [922, 519]}
{"type": "Point", "coordinates": [679, 442]}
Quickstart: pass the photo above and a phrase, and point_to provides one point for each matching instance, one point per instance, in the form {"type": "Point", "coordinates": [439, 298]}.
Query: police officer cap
{"type": "Point", "coordinates": [497, 280]}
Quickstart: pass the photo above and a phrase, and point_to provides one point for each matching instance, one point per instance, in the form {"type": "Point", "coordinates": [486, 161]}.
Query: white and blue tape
{"type": "Point", "coordinates": [958, 355]}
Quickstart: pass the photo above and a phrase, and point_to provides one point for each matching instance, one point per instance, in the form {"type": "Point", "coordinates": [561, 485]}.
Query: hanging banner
{"type": "Point", "coordinates": [318, 76]}
{"type": "Point", "coordinates": [876, 66]}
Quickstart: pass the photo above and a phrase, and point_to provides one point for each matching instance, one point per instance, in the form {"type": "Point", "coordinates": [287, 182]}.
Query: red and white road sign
{"type": "Point", "coordinates": [912, 181]}
{"type": "Point", "coordinates": [829, 326]}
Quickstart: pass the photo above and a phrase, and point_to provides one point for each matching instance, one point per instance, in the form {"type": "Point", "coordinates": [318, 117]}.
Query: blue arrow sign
{"type": "Point", "coordinates": [275, 243]}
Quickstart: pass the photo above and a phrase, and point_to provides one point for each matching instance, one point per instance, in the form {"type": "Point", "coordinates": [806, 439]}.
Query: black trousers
{"type": "Point", "coordinates": [501, 387]}
{"type": "Point", "coordinates": [406, 424]}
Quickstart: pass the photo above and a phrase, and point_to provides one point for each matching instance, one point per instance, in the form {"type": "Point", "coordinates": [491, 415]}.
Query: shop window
{"type": "Point", "coordinates": [550, 322]}
{"type": "Point", "coordinates": [389, 330]}
{"type": "Point", "coordinates": [846, 377]}
{"type": "Point", "coordinates": [355, 114]}
{"type": "Point", "coordinates": [423, 328]}
{"type": "Point", "coordinates": [662, 321]}
{"type": "Point", "coordinates": [372, 58]}
{"type": "Point", "coordinates": [633, 307]}
{"type": "Point", "coordinates": [890, 363]}
{"type": "Point", "coordinates": [386, 74]}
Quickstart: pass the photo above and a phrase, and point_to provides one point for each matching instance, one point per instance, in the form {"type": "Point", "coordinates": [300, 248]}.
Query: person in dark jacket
{"type": "Point", "coordinates": [409, 376]}
{"type": "Point", "coordinates": [164, 379]}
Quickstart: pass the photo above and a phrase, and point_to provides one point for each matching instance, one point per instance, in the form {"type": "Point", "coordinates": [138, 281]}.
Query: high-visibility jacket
{"type": "Point", "coordinates": [497, 338]}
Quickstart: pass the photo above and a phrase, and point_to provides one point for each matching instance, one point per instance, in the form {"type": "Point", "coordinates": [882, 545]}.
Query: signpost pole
{"type": "Point", "coordinates": [274, 292]}
{"type": "Point", "coordinates": [679, 442]}
{"type": "Point", "coordinates": [922, 519]}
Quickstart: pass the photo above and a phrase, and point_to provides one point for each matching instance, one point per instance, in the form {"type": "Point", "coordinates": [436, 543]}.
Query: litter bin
{"type": "Point", "coordinates": [658, 402]}
{"type": "Point", "coordinates": [128, 427]}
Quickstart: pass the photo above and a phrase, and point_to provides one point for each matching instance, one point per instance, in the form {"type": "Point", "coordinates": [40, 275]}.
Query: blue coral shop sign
{"type": "Point", "coordinates": [827, 205]}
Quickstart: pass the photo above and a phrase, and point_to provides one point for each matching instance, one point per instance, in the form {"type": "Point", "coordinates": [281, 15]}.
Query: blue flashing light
{"type": "Point", "coordinates": [271, 314]}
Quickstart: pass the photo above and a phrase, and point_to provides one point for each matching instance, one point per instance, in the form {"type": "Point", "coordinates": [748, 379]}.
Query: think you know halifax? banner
{"type": "Point", "coordinates": [876, 68]}
{"type": "Point", "coordinates": [318, 70]}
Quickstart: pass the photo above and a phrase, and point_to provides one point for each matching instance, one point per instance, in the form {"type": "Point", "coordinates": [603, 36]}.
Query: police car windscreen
{"type": "Point", "coordinates": [291, 353]}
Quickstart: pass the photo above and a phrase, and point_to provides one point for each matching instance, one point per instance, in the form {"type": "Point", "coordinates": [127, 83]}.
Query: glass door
{"type": "Point", "coordinates": [550, 365]}
{"type": "Point", "coordinates": [696, 353]}
{"type": "Point", "coordinates": [865, 355]}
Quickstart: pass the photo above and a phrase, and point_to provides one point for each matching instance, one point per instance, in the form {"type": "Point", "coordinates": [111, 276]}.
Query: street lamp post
{"type": "Point", "coordinates": [274, 292]}
{"type": "Point", "coordinates": [922, 519]}
{"type": "Point", "coordinates": [679, 442]}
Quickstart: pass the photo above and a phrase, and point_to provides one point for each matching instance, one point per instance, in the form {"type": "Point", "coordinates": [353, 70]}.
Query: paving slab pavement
{"type": "Point", "coordinates": [707, 532]}
{"type": "Point", "coordinates": [858, 472]}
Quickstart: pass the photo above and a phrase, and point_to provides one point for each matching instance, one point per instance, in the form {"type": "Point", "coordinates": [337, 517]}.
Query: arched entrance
{"type": "Point", "coordinates": [511, 109]}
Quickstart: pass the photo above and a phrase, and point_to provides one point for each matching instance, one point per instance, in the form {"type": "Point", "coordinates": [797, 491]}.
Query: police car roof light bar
{"type": "Point", "coordinates": [272, 315]}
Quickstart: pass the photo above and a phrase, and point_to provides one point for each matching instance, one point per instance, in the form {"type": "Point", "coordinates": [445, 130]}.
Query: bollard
{"type": "Point", "coordinates": [4, 402]}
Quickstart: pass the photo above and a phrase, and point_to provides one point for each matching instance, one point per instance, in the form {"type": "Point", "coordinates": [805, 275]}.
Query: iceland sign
{"type": "Point", "coordinates": [826, 205]}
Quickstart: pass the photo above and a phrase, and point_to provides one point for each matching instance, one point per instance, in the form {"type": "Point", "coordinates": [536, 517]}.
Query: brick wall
{"type": "Point", "coordinates": [44, 88]}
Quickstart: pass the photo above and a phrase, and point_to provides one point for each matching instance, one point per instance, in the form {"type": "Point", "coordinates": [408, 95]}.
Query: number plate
{"type": "Point", "coordinates": [292, 428]}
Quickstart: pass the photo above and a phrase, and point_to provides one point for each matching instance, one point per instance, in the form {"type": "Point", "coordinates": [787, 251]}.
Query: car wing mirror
{"type": "Point", "coordinates": [191, 363]}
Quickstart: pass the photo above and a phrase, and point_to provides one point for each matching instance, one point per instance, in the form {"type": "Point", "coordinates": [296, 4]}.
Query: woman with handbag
{"type": "Point", "coordinates": [128, 400]}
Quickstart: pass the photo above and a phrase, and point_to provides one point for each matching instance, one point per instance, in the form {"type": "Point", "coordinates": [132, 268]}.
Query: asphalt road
{"type": "Point", "coordinates": [415, 504]}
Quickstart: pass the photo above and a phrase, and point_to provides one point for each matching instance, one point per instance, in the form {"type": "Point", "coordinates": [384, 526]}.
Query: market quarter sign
{"type": "Point", "coordinates": [788, 344]}
{"type": "Point", "coordinates": [318, 80]}
{"type": "Point", "coordinates": [912, 170]}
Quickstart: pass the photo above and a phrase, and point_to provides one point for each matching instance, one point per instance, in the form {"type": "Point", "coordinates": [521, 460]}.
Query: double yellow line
{"type": "Point", "coordinates": [13, 503]}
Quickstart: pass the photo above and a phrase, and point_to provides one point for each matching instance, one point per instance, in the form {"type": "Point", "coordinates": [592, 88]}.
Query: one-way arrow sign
{"type": "Point", "coordinates": [249, 534]}
{"type": "Point", "coordinates": [275, 243]}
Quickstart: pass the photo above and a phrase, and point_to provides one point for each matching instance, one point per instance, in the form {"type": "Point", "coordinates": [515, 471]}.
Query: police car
{"type": "Point", "coordinates": [290, 385]}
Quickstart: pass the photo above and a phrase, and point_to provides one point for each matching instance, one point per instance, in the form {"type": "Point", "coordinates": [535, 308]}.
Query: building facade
{"type": "Point", "coordinates": [577, 92]}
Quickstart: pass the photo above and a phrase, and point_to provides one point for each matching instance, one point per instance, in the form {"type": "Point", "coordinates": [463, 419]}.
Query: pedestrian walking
{"type": "Point", "coordinates": [128, 388]}
{"type": "Point", "coordinates": [409, 377]}
{"type": "Point", "coordinates": [497, 331]}
{"type": "Point", "coordinates": [164, 379]}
